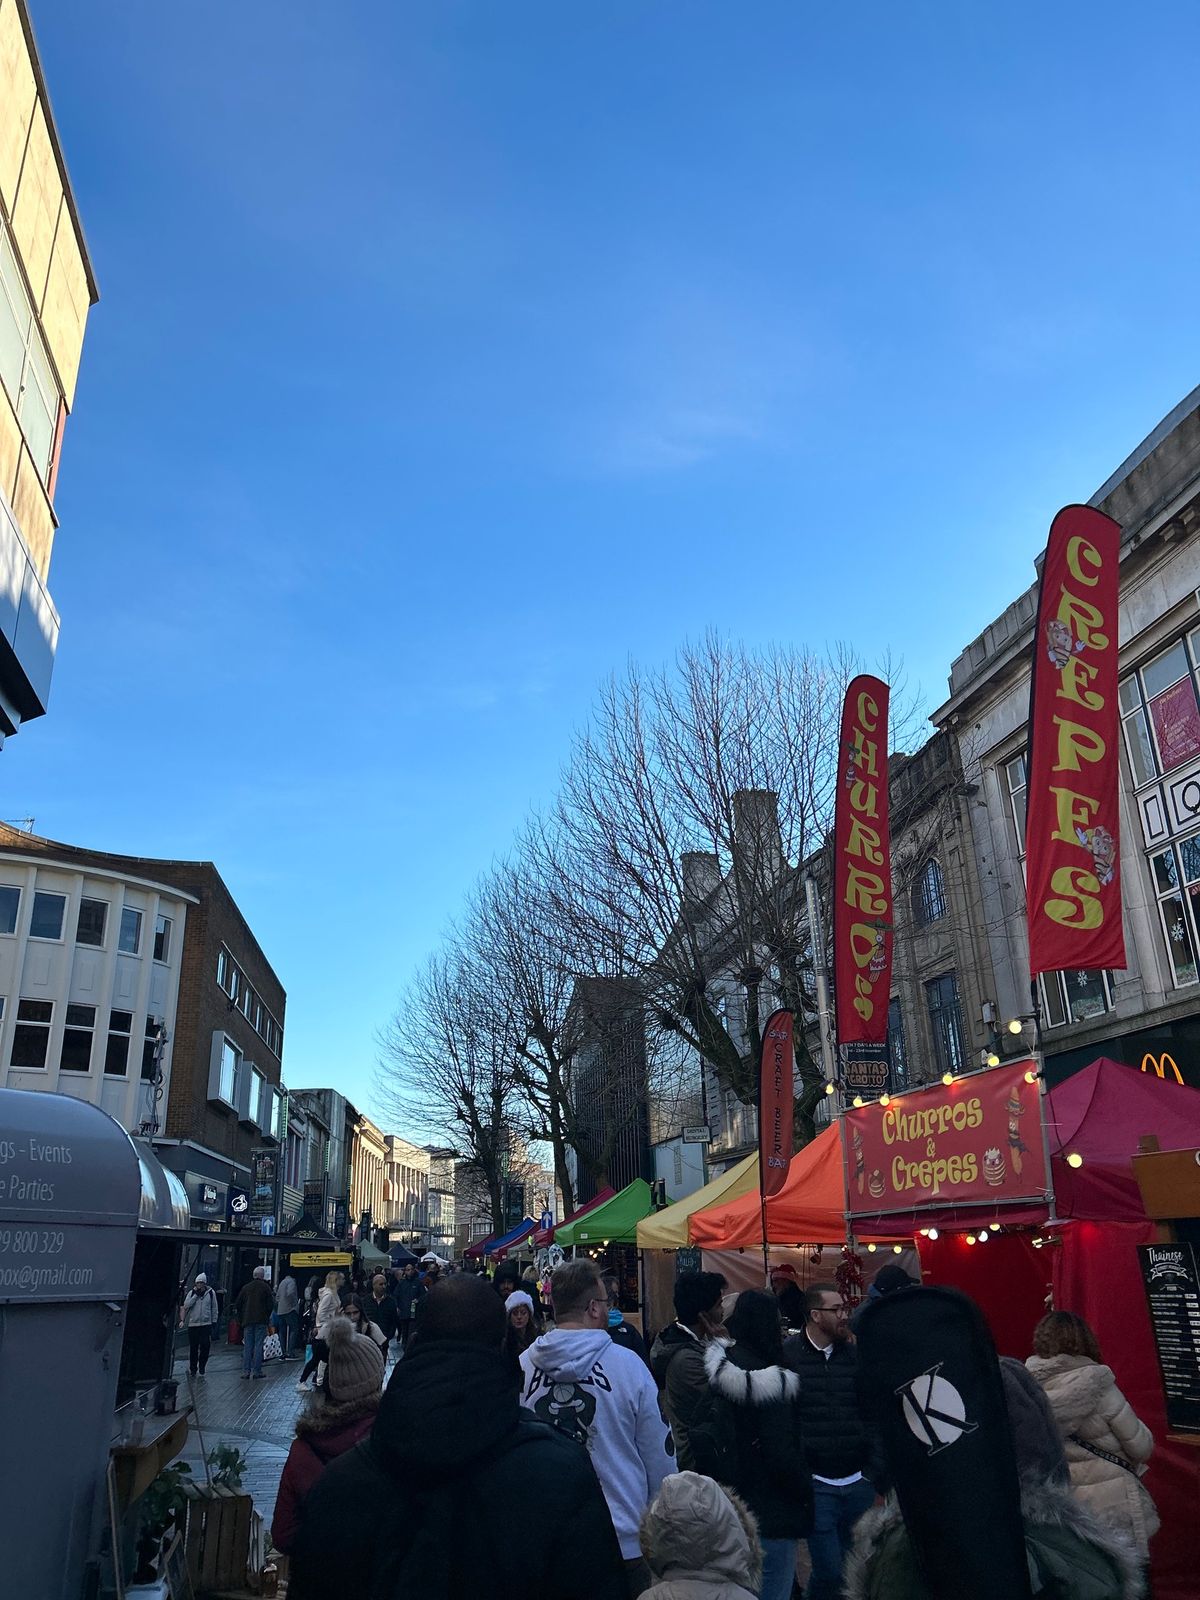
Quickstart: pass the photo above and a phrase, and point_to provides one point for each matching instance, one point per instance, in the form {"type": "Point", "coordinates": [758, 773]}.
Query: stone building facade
{"type": "Point", "coordinates": [1151, 1010]}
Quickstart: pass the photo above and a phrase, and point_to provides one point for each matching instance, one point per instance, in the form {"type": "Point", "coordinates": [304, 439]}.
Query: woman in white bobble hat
{"type": "Point", "coordinates": [340, 1414]}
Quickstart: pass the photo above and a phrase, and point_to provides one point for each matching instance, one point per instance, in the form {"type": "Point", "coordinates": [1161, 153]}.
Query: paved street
{"type": "Point", "coordinates": [257, 1417]}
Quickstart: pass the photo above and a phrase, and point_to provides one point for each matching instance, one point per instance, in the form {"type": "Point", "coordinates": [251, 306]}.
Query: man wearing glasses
{"type": "Point", "coordinates": [836, 1440]}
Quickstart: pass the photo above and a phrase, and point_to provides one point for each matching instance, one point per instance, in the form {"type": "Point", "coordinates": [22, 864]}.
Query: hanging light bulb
{"type": "Point", "coordinates": [870, 1249]}
{"type": "Point", "coordinates": [993, 1060]}
{"type": "Point", "coordinates": [947, 1078]}
{"type": "Point", "coordinates": [1074, 1159]}
{"type": "Point", "coordinates": [1016, 1025]}
{"type": "Point", "coordinates": [924, 1233]}
{"type": "Point", "coordinates": [857, 1101]}
{"type": "Point", "coordinates": [932, 1232]}
{"type": "Point", "coordinates": [970, 1238]}
{"type": "Point", "coordinates": [984, 1236]}
{"type": "Point", "coordinates": [885, 1099]}
{"type": "Point", "coordinates": [1031, 1076]}
{"type": "Point", "coordinates": [994, 1226]}
{"type": "Point", "coordinates": [830, 1087]}
{"type": "Point", "coordinates": [897, 1249]}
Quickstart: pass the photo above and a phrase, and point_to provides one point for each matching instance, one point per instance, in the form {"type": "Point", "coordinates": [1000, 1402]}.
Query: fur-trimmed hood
{"type": "Point", "coordinates": [743, 1385]}
{"type": "Point", "coordinates": [698, 1537]}
{"type": "Point", "coordinates": [320, 1420]}
{"type": "Point", "coordinates": [1058, 1528]}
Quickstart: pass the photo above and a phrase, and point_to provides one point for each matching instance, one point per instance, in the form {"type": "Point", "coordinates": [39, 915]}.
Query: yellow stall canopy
{"type": "Point", "coordinates": [668, 1230]}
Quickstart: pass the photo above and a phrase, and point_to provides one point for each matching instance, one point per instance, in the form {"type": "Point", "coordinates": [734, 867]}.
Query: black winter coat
{"type": "Point", "coordinates": [408, 1294]}
{"type": "Point", "coordinates": [677, 1362]}
{"type": "Point", "coordinates": [627, 1336]}
{"type": "Point", "coordinates": [771, 1474]}
{"type": "Point", "coordinates": [382, 1313]}
{"type": "Point", "coordinates": [837, 1441]}
{"type": "Point", "coordinates": [452, 1466]}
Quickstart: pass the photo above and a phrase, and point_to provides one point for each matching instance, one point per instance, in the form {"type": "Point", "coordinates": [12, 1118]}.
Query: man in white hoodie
{"type": "Point", "coordinates": [580, 1382]}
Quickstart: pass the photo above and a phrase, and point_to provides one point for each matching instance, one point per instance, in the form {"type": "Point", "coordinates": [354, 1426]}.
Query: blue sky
{"type": "Point", "coordinates": [450, 354]}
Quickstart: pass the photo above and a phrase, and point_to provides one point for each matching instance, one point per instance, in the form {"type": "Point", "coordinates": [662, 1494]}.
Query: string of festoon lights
{"type": "Point", "coordinates": [990, 1059]}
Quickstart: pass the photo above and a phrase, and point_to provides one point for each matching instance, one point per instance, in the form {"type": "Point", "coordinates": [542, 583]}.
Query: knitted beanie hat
{"type": "Point", "coordinates": [518, 1298]}
{"type": "Point", "coordinates": [354, 1370]}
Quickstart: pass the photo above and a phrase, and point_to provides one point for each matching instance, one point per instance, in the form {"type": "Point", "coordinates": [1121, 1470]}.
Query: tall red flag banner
{"type": "Point", "coordinates": [775, 1103]}
{"type": "Point", "coordinates": [1072, 822]}
{"type": "Point", "coordinates": [862, 868]}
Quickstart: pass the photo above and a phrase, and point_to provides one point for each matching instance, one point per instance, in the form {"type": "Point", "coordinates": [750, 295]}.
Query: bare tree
{"type": "Point", "coordinates": [675, 852]}
{"type": "Point", "coordinates": [448, 1070]}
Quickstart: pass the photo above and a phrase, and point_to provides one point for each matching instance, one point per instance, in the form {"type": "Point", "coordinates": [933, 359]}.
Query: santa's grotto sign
{"type": "Point", "coordinates": [977, 1139]}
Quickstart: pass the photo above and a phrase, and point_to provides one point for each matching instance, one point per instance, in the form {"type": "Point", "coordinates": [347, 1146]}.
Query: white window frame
{"type": "Point", "coordinates": [130, 911]}
{"type": "Point", "coordinates": [46, 938]}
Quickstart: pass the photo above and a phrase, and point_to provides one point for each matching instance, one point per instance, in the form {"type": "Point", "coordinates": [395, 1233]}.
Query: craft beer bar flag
{"type": "Point", "coordinates": [862, 870]}
{"type": "Point", "coordinates": [1072, 822]}
{"type": "Point", "coordinates": [775, 1103]}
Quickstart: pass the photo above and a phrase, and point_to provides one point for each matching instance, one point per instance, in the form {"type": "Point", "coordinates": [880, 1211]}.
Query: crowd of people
{"type": "Point", "coordinates": [697, 1470]}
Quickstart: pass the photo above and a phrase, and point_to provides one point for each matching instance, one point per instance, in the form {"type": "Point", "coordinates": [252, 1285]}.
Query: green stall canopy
{"type": "Point", "coordinates": [615, 1222]}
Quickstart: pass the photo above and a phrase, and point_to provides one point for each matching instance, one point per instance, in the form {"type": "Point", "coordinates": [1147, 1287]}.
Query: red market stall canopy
{"type": "Point", "coordinates": [481, 1247]}
{"type": "Point", "coordinates": [544, 1236]}
{"type": "Point", "coordinates": [510, 1241]}
{"type": "Point", "coordinates": [1099, 1115]}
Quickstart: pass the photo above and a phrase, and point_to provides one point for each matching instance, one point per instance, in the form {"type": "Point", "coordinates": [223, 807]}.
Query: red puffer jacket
{"type": "Point", "coordinates": [322, 1434]}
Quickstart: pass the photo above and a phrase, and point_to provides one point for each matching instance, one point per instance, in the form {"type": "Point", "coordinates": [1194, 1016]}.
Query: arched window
{"type": "Point", "coordinates": [929, 895]}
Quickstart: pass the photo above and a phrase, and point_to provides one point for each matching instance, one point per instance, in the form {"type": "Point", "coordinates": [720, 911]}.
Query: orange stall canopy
{"type": "Point", "coordinates": [809, 1209]}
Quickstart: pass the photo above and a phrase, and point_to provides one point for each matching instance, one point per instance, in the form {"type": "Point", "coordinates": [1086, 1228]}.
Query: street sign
{"type": "Point", "coordinates": [267, 1225]}
{"type": "Point", "coordinates": [698, 1133]}
{"type": "Point", "coordinates": [320, 1258]}
{"type": "Point", "coordinates": [547, 1220]}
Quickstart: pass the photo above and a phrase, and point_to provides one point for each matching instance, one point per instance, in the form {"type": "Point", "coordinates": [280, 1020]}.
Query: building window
{"type": "Point", "coordinates": [1015, 776]}
{"type": "Point", "coordinates": [149, 1049]}
{"type": "Point", "coordinates": [929, 895]}
{"type": "Point", "coordinates": [227, 1086]}
{"type": "Point", "coordinates": [224, 966]}
{"type": "Point", "coordinates": [945, 1020]}
{"type": "Point", "coordinates": [254, 1098]}
{"type": "Point", "coordinates": [116, 1051]}
{"type": "Point", "coordinates": [1176, 873]}
{"type": "Point", "coordinates": [10, 905]}
{"type": "Point", "coordinates": [130, 941]}
{"type": "Point", "coordinates": [24, 365]}
{"type": "Point", "coordinates": [895, 1043]}
{"type": "Point", "coordinates": [1160, 712]}
{"type": "Point", "coordinates": [48, 913]}
{"type": "Point", "coordinates": [31, 1036]}
{"type": "Point", "coordinates": [162, 939]}
{"type": "Point", "coordinates": [1074, 997]}
{"type": "Point", "coordinates": [77, 1039]}
{"type": "Point", "coordinates": [93, 914]}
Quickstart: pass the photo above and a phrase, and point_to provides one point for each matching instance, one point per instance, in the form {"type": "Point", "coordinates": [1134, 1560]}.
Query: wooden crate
{"type": "Point", "coordinates": [218, 1537]}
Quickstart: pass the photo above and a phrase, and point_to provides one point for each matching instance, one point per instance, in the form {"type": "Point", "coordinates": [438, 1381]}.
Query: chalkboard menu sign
{"type": "Point", "coordinates": [1172, 1288]}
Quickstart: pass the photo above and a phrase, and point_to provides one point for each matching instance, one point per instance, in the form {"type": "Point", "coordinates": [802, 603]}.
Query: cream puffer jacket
{"type": "Point", "coordinates": [328, 1305]}
{"type": "Point", "coordinates": [1086, 1401]}
{"type": "Point", "coordinates": [700, 1542]}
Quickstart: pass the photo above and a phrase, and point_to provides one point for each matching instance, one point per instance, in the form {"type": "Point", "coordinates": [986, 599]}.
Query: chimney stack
{"type": "Point", "coordinates": [701, 874]}
{"type": "Point", "coordinates": [756, 826]}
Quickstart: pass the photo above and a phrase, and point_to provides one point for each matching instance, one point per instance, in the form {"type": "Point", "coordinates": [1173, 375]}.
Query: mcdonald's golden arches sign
{"type": "Point", "coordinates": [1160, 1065]}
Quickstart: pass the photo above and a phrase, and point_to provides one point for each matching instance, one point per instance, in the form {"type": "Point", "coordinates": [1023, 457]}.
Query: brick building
{"type": "Point", "coordinates": [137, 984]}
